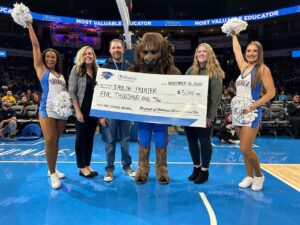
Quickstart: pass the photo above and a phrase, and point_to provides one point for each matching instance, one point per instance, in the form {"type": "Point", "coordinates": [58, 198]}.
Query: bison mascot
{"type": "Point", "coordinates": [153, 54]}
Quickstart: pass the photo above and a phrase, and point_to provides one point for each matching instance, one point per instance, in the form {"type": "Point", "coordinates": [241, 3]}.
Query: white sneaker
{"type": "Point", "coordinates": [59, 174]}
{"type": "Point", "coordinates": [55, 182]}
{"type": "Point", "coordinates": [130, 172]}
{"type": "Point", "coordinates": [246, 182]}
{"type": "Point", "coordinates": [258, 183]}
{"type": "Point", "coordinates": [237, 142]}
{"type": "Point", "coordinates": [108, 176]}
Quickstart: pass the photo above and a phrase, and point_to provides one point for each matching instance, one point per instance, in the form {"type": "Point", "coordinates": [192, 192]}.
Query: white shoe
{"type": "Point", "coordinates": [258, 183]}
{"type": "Point", "coordinates": [237, 142]}
{"type": "Point", "coordinates": [130, 172]}
{"type": "Point", "coordinates": [55, 182]}
{"type": "Point", "coordinates": [246, 182]}
{"type": "Point", "coordinates": [59, 174]}
{"type": "Point", "coordinates": [108, 176]}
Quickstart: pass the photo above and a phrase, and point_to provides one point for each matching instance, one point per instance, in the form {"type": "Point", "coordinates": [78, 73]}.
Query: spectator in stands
{"type": "Point", "coordinates": [226, 98]}
{"type": "Point", "coordinates": [24, 103]}
{"type": "Point", "coordinates": [82, 81]}
{"type": "Point", "coordinates": [293, 110]}
{"type": "Point", "coordinates": [231, 88]}
{"type": "Point", "coordinates": [227, 132]}
{"type": "Point", "coordinates": [35, 99]}
{"type": "Point", "coordinates": [10, 97]}
{"type": "Point", "coordinates": [205, 64]}
{"type": "Point", "coordinates": [47, 67]}
{"type": "Point", "coordinates": [8, 120]}
{"type": "Point", "coordinates": [112, 126]}
{"type": "Point", "coordinates": [29, 95]}
{"type": "Point", "coordinates": [282, 97]}
{"type": "Point", "coordinates": [255, 76]}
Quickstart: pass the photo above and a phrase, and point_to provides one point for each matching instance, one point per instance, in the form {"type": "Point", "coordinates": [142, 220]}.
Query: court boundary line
{"type": "Point", "coordinates": [287, 183]}
{"type": "Point", "coordinates": [14, 144]}
{"type": "Point", "coordinates": [231, 145]}
{"type": "Point", "coordinates": [211, 213]}
{"type": "Point", "coordinates": [104, 162]}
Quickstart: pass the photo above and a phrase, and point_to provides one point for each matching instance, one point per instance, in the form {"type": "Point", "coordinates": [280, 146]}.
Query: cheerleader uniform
{"type": "Point", "coordinates": [51, 87]}
{"type": "Point", "coordinates": [243, 87]}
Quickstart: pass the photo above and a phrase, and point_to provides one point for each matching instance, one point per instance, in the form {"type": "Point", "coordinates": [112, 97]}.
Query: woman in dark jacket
{"type": "Point", "coordinates": [199, 139]}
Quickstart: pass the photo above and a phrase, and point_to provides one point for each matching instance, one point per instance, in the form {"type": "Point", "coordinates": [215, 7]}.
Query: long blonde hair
{"type": "Point", "coordinates": [80, 65]}
{"type": "Point", "coordinates": [260, 65]}
{"type": "Point", "coordinates": [212, 66]}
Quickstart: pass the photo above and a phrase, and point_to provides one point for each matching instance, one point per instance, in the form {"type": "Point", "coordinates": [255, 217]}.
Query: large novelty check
{"type": "Point", "coordinates": [165, 99]}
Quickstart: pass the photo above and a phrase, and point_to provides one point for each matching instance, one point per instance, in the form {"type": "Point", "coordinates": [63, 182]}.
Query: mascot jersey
{"type": "Point", "coordinates": [243, 87]}
{"type": "Point", "coordinates": [51, 86]}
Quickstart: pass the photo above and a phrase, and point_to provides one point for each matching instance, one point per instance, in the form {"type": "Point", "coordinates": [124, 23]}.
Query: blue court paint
{"type": "Point", "coordinates": [26, 196]}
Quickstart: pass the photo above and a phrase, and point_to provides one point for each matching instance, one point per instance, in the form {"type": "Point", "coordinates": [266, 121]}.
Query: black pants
{"type": "Point", "coordinates": [199, 140]}
{"type": "Point", "coordinates": [84, 140]}
{"type": "Point", "coordinates": [295, 120]}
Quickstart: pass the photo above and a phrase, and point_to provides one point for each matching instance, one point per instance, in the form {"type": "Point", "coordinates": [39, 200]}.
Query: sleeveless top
{"type": "Point", "coordinates": [51, 87]}
{"type": "Point", "coordinates": [244, 87]}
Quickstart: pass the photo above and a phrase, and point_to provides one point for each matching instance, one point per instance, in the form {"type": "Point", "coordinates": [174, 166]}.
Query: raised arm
{"type": "Point", "coordinates": [39, 66]}
{"type": "Point", "coordinates": [238, 53]}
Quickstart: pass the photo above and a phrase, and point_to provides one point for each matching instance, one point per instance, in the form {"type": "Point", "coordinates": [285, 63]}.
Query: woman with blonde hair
{"type": "Point", "coordinates": [199, 139]}
{"type": "Point", "coordinates": [255, 76]}
{"type": "Point", "coordinates": [82, 81]}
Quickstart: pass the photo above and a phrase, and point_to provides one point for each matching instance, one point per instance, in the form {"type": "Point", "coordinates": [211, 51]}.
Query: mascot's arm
{"type": "Point", "coordinates": [132, 69]}
{"type": "Point", "coordinates": [174, 71]}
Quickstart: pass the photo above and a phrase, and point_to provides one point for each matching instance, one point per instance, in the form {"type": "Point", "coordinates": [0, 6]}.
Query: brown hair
{"type": "Point", "coordinates": [260, 66]}
{"type": "Point", "coordinates": [117, 40]}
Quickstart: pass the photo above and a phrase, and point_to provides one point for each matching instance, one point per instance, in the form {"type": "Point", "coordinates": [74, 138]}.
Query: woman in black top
{"type": "Point", "coordinates": [81, 88]}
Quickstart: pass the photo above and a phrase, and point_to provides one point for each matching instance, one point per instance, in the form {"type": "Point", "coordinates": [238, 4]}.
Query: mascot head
{"type": "Point", "coordinates": [153, 54]}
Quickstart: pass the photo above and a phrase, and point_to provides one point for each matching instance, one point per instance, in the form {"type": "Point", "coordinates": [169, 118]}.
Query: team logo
{"type": "Point", "coordinates": [106, 75]}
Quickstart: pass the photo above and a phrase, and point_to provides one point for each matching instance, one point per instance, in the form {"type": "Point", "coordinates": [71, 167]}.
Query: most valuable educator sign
{"type": "Point", "coordinates": [165, 99]}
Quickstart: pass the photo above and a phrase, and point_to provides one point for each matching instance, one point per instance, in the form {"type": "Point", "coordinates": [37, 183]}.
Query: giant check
{"type": "Point", "coordinates": [165, 99]}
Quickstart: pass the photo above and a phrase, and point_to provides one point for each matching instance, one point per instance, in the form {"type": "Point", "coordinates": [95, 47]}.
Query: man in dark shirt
{"type": "Point", "coordinates": [8, 120]}
{"type": "Point", "coordinates": [114, 126]}
{"type": "Point", "coordinates": [293, 110]}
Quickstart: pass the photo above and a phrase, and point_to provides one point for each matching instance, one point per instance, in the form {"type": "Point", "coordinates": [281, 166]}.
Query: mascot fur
{"type": "Point", "coordinates": [153, 54]}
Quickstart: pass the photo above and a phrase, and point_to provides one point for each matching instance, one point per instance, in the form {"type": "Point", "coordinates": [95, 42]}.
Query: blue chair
{"type": "Point", "coordinates": [31, 132]}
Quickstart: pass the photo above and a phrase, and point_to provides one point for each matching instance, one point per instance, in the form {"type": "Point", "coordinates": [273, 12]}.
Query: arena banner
{"type": "Point", "coordinates": [159, 23]}
{"type": "Point", "coordinates": [166, 99]}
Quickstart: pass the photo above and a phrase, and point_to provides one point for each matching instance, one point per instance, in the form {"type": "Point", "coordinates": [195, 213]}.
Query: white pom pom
{"type": "Point", "coordinates": [63, 104]}
{"type": "Point", "coordinates": [21, 14]}
{"type": "Point", "coordinates": [238, 105]}
{"type": "Point", "coordinates": [234, 25]}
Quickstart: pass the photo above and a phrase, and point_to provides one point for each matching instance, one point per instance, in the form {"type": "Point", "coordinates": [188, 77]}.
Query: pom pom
{"type": "Point", "coordinates": [63, 104]}
{"type": "Point", "coordinates": [21, 14]}
{"type": "Point", "coordinates": [234, 26]}
{"type": "Point", "coordinates": [238, 105]}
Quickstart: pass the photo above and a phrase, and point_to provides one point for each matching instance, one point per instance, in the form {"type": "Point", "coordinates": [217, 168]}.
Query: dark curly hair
{"type": "Point", "coordinates": [58, 60]}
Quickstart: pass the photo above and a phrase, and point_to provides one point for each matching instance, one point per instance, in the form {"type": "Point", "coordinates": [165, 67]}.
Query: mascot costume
{"type": "Point", "coordinates": [153, 54]}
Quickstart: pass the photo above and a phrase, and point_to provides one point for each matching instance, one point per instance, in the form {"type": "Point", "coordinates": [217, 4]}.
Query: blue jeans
{"type": "Point", "coordinates": [111, 135]}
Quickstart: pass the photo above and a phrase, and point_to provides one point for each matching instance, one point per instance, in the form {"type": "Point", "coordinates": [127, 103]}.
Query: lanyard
{"type": "Point", "coordinates": [117, 65]}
